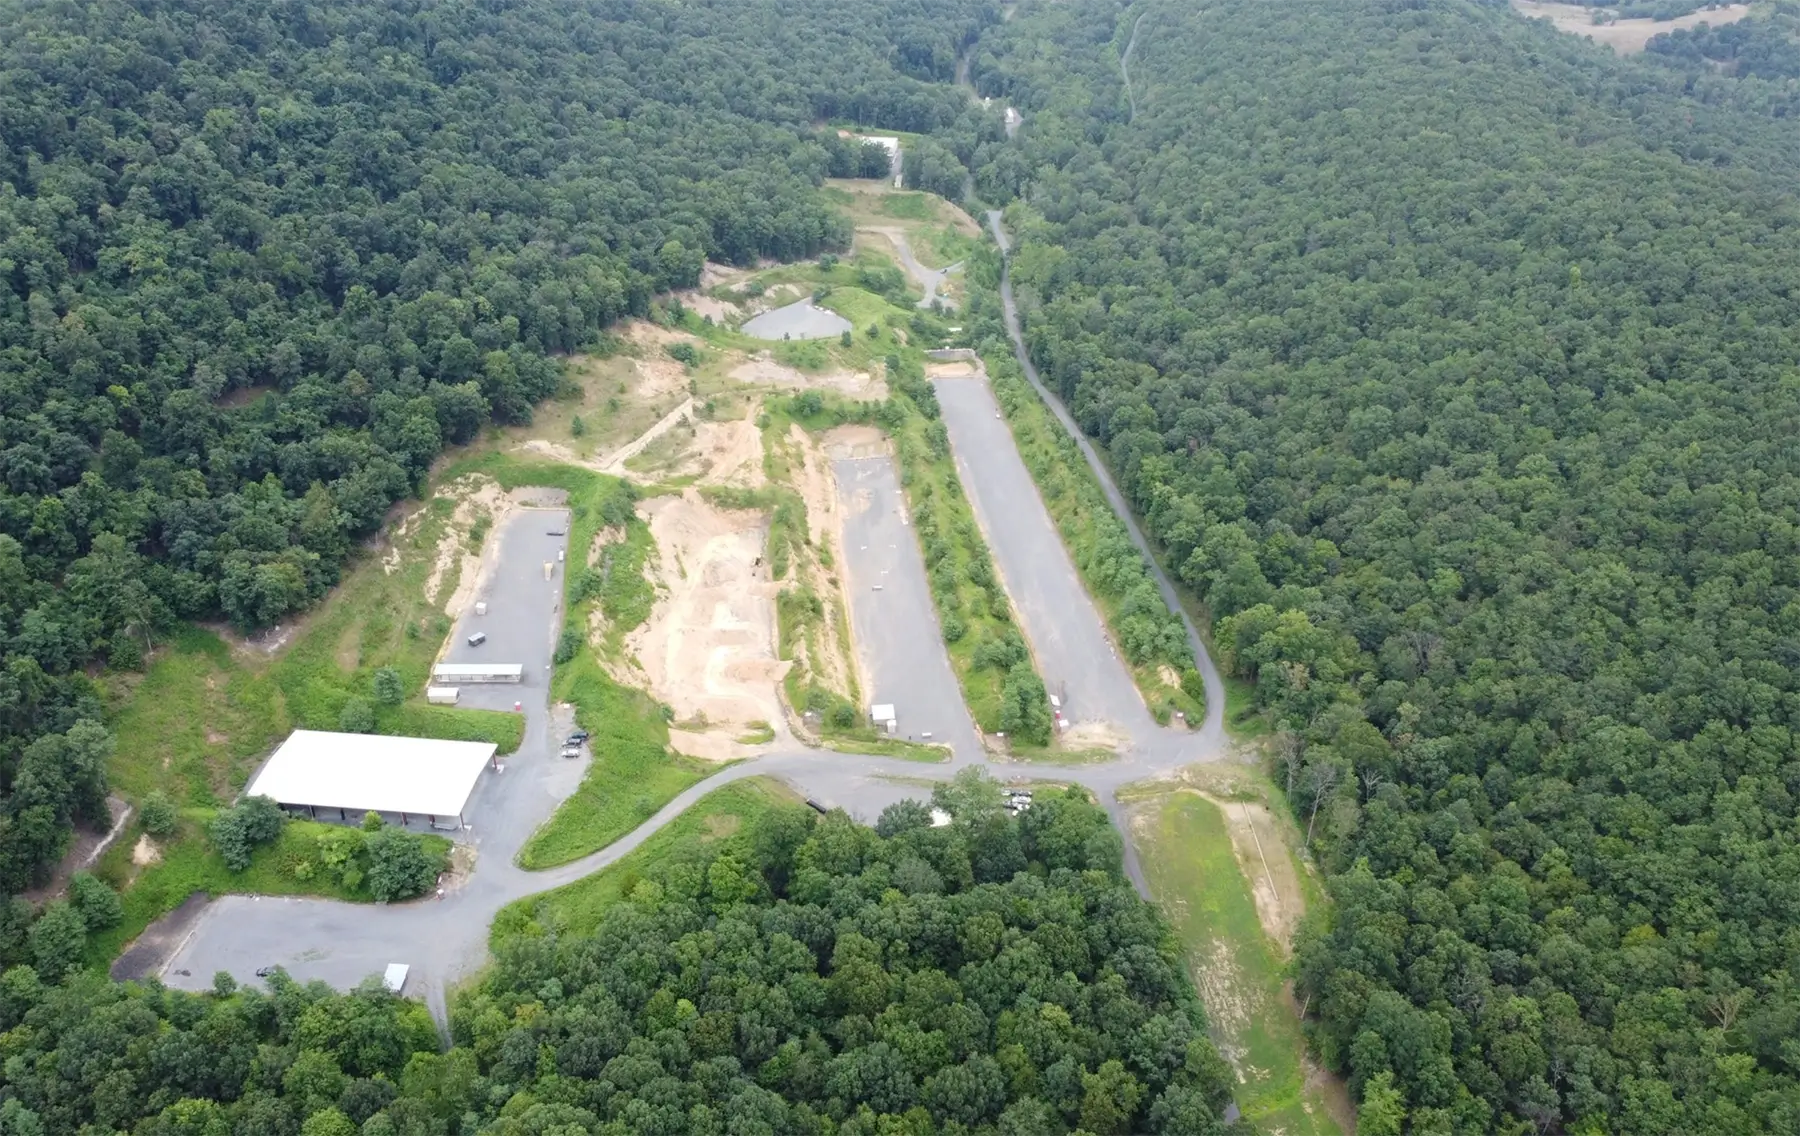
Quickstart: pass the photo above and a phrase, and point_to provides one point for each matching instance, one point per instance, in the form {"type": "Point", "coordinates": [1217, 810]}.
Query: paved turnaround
{"type": "Point", "coordinates": [445, 941]}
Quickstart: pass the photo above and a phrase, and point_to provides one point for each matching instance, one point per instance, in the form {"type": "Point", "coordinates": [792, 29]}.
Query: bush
{"type": "Point", "coordinates": [157, 814]}
{"type": "Point", "coordinates": [683, 353]}
{"type": "Point", "coordinates": [237, 832]}
{"type": "Point", "coordinates": [97, 904]}
{"type": "Point", "coordinates": [356, 717]}
{"type": "Point", "coordinates": [843, 716]}
{"type": "Point", "coordinates": [399, 867]}
{"type": "Point", "coordinates": [389, 690]}
{"type": "Point", "coordinates": [57, 940]}
{"type": "Point", "coordinates": [567, 644]}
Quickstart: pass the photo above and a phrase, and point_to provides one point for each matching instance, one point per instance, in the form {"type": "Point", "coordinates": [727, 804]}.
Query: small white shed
{"type": "Point", "coordinates": [441, 695]}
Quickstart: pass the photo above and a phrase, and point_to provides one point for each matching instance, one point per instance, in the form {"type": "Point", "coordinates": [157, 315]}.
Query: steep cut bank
{"type": "Point", "coordinates": [1448, 359]}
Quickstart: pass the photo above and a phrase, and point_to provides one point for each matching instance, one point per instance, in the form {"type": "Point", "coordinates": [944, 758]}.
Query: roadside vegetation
{"type": "Point", "coordinates": [721, 822]}
{"type": "Point", "coordinates": [1150, 636]}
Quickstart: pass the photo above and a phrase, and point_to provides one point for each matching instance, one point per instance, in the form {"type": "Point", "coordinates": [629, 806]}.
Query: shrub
{"type": "Point", "coordinates": [237, 832]}
{"type": "Point", "coordinates": [157, 814]}
{"type": "Point", "coordinates": [356, 717]}
{"type": "Point", "coordinates": [683, 353]}
{"type": "Point", "coordinates": [399, 866]}
{"type": "Point", "coordinates": [389, 690]}
{"type": "Point", "coordinates": [97, 904]}
{"type": "Point", "coordinates": [567, 644]}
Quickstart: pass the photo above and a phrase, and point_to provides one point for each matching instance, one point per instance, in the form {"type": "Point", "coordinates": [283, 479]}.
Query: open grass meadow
{"type": "Point", "coordinates": [1195, 879]}
{"type": "Point", "coordinates": [728, 814]}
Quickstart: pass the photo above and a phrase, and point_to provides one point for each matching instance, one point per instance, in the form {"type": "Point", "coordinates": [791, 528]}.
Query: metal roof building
{"type": "Point", "coordinates": [359, 773]}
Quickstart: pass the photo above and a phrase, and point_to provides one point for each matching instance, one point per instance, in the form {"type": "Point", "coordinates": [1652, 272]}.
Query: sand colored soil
{"type": "Point", "coordinates": [1093, 735]}
{"type": "Point", "coordinates": [762, 370]}
{"type": "Point", "coordinates": [708, 745]}
{"type": "Point", "coordinates": [145, 852]}
{"type": "Point", "coordinates": [1624, 36]}
{"type": "Point", "coordinates": [725, 453]}
{"type": "Point", "coordinates": [842, 442]}
{"type": "Point", "coordinates": [817, 487]}
{"type": "Point", "coordinates": [708, 649]}
{"type": "Point", "coordinates": [720, 311]}
{"type": "Point", "coordinates": [954, 369]}
{"type": "Point", "coordinates": [657, 374]}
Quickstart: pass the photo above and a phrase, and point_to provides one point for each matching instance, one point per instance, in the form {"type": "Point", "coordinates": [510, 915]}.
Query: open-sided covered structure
{"type": "Point", "coordinates": [357, 773]}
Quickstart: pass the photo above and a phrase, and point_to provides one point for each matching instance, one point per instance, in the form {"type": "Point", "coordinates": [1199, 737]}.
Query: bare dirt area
{"type": "Point", "coordinates": [955, 369]}
{"type": "Point", "coordinates": [708, 649]}
{"type": "Point", "coordinates": [1624, 36]}
{"type": "Point", "coordinates": [1093, 735]}
{"type": "Point", "coordinates": [762, 370]}
{"type": "Point", "coordinates": [725, 453]}
{"type": "Point", "coordinates": [842, 442]}
{"type": "Point", "coordinates": [84, 849]}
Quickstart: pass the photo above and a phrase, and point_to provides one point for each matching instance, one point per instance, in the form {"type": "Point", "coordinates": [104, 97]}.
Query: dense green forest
{"type": "Point", "coordinates": [261, 262]}
{"type": "Point", "coordinates": [1453, 363]}
{"type": "Point", "coordinates": [993, 976]}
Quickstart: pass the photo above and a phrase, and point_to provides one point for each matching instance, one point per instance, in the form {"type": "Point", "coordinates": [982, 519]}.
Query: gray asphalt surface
{"type": "Point", "coordinates": [1212, 732]}
{"type": "Point", "coordinates": [896, 627]}
{"type": "Point", "coordinates": [1073, 650]}
{"type": "Point", "coordinates": [445, 941]}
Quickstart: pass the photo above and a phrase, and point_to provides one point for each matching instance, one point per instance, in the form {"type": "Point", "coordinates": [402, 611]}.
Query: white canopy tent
{"type": "Point", "coordinates": [371, 772]}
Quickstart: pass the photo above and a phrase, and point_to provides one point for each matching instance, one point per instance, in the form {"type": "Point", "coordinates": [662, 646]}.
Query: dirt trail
{"type": "Point", "coordinates": [726, 453]}
{"type": "Point", "coordinates": [615, 462]}
{"type": "Point", "coordinates": [930, 279]}
{"type": "Point", "coordinates": [708, 649]}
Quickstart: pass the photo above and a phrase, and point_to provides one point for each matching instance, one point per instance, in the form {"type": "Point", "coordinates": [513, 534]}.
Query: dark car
{"type": "Point", "coordinates": [264, 971]}
{"type": "Point", "coordinates": [577, 738]}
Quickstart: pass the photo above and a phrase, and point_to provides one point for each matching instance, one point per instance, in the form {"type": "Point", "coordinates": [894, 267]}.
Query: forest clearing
{"type": "Point", "coordinates": [1223, 871]}
{"type": "Point", "coordinates": [1628, 35]}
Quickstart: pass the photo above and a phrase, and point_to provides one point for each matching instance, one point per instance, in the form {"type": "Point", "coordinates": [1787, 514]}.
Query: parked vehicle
{"type": "Point", "coordinates": [577, 738]}
{"type": "Point", "coordinates": [478, 639]}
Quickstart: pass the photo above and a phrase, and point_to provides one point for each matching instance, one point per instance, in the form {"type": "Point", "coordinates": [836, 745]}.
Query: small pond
{"type": "Point", "coordinates": [799, 320]}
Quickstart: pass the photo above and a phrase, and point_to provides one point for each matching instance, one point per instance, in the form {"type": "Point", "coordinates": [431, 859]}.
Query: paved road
{"type": "Point", "coordinates": [445, 940]}
{"type": "Point", "coordinates": [1071, 645]}
{"type": "Point", "coordinates": [894, 621]}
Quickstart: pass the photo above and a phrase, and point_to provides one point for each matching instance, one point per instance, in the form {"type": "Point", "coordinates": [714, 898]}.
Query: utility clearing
{"type": "Point", "coordinates": [1219, 858]}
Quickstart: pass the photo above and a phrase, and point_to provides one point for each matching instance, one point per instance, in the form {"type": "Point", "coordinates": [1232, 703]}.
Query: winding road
{"type": "Point", "coordinates": [1125, 64]}
{"type": "Point", "coordinates": [445, 940]}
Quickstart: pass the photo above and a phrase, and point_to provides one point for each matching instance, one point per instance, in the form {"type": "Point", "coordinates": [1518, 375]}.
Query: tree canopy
{"type": "Point", "coordinates": [1451, 360]}
{"type": "Point", "coordinates": [261, 262]}
{"type": "Point", "coordinates": [991, 976]}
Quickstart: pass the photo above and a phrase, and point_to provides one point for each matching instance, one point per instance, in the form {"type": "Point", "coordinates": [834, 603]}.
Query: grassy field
{"type": "Point", "coordinates": [1187, 855]}
{"type": "Point", "coordinates": [726, 814]}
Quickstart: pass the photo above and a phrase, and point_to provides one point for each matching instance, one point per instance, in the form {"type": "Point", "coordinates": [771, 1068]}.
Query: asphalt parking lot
{"type": "Point", "coordinates": [344, 943]}
{"type": "Point", "coordinates": [1067, 637]}
{"type": "Point", "coordinates": [895, 625]}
